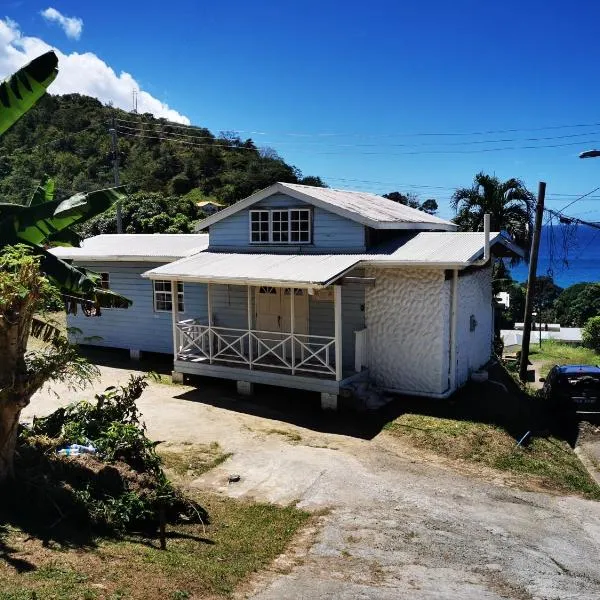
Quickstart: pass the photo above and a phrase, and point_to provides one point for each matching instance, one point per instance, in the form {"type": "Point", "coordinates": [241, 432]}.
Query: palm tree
{"type": "Point", "coordinates": [509, 204]}
{"type": "Point", "coordinates": [26, 266]}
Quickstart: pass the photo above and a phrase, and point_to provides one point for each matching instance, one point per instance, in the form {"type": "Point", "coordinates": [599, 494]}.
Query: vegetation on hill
{"type": "Point", "coordinates": [67, 138]}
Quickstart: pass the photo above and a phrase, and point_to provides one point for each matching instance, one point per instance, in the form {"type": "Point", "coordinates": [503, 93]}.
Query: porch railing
{"type": "Point", "coordinates": [294, 353]}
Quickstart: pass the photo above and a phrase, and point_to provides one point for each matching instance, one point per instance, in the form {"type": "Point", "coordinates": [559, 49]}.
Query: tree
{"type": "Point", "coordinates": [578, 303]}
{"type": "Point", "coordinates": [591, 334]}
{"type": "Point", "coordinates": [26, 267]}
{"type": "Point", "coordinates": [430, 206]}
{"type": "Point", "coordinates": [509, 204]}
{"type": "Point", "coordinates": [22, 373]}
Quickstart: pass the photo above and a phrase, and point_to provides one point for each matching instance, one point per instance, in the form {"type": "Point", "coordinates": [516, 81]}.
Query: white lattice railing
{"type": "Point", "coordinates": [296, 352]}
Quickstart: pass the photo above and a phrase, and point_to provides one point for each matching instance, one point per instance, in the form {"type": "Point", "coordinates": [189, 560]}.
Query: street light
{"type": "Point", "coordinates": [590, 154]}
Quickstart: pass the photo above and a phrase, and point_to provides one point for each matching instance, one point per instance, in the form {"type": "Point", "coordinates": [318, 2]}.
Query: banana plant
{"type": "Point", "coordinates": [19, 92]}
{"type": "Point", "coordinates": [44, 220]}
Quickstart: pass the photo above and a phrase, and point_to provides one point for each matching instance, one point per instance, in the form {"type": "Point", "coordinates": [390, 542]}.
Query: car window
{"type": "Point", "coordinates": [574, 381]}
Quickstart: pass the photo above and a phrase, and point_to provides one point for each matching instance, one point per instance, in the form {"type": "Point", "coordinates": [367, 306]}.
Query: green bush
{"type": "Point", "coordinates": [121, 487]}
{"type": "Point", "coordinates": [591, 334]}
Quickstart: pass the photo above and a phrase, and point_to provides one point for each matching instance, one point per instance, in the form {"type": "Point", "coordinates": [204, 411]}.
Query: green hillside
{"type": "Point", "coordinates": [67, 138]}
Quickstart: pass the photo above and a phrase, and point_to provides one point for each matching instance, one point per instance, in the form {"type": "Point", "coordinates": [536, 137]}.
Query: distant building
{"type": "Point", "coordinates": [209, 207]}
{"type": "Point", "coordinates": [552, 331]}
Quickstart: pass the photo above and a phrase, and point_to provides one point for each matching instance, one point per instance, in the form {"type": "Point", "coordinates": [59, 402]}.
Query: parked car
{"type": "Point", "coordinates": [573, 387]}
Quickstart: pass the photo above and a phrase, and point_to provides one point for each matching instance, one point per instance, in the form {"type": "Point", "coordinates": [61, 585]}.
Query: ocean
{"type": "Point", "coordinates": [570, 254]}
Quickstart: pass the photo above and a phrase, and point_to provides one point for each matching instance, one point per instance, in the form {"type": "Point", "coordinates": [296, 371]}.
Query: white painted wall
{"type": "Point", "coordinates": [408, 323]}
{"type": "Point", "coordinates": [474, 348]}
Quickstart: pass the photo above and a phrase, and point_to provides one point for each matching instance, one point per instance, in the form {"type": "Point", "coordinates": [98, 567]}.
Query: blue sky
{"type": "Point", "coordinates": [341, 90]}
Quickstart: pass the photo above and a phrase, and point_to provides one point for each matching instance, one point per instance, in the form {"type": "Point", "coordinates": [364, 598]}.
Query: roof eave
{"type": "Point", "coordinates": [282, 188]}
{"type": "Point", "coordinates": [122, 258]}
{"type": "Point", "coordinates": [517, 251]}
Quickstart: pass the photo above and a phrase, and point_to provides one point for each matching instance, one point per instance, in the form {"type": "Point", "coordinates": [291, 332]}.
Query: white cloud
{"type": "Point", "coordinates": [72, 26]}
{"type": "Point", "coordinates": [79, 73]}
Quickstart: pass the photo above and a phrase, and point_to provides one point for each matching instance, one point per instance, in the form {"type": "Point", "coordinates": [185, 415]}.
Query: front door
{"type": "Point", "coordinates": [274, 311]}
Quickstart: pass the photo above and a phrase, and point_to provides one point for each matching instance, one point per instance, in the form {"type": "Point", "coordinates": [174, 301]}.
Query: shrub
{"type": "Point", "coordinates": [120, 488]}
{"type": "Point", "coordinates": [591, 334]}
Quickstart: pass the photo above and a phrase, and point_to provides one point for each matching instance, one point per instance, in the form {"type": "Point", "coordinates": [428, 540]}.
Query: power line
{"type": "Point", "coordinates": [169, 136]}
{"type": "Point", "coordinates": [398, 134]}
{"type": "Point", "coordinates": [176, 140]}
{"type": "Point", "coordinates": [580, 198]}
{"type": "Point", "coordinates": [379, 145]}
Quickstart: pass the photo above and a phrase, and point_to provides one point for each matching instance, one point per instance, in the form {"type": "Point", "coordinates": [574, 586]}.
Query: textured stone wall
{"type": "Point", "coordinates": [407, 315]}
{"type": "Point", "coordinates": [474, 347]}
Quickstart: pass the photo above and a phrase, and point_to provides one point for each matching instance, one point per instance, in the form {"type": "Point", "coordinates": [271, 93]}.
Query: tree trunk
{"type": "Point", "coordinates": [14, 393]}
{"type": "Point", "coordinates": [9, 424]}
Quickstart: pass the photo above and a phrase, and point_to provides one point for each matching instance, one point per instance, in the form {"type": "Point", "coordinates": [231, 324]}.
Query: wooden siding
{"type": "Point", "coordinates": [330, 231]}
{"type": "Point", "coordinates": [229, 305]}
{"type": "Point", "coordinates": [138, 327]}
{"type": "Point", "coordinates": [321, 319]}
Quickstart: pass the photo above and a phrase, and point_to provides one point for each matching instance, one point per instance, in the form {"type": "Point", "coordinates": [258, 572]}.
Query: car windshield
{"type": "Point", "coordinates": [576, 381]}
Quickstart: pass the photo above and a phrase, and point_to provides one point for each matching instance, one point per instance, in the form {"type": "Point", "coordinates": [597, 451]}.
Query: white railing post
{"type": "Point", "coordinates": [337, 304]}
{"type": "Point", "coordinates": [250, 326]}
{"type": "Point", "coordinates": [292, 329]}
{"type": "Point", "coordinates": [210, 333]}
{"type": "Point", "coordinates": [175, 316]}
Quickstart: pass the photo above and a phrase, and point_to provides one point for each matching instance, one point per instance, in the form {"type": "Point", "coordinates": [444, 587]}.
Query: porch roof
{"type": "Point", "coordinates": [296, 270]}
{"type": "Point", "coordinates": [435, 250]}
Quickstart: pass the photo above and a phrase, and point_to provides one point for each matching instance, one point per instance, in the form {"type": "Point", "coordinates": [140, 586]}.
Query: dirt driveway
{"type": "Point", "coordinates": [399, 524]}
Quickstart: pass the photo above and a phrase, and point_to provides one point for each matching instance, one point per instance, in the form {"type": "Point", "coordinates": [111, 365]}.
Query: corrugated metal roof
{"type": "Point", "coordinates": [152, 246]}
{"type": "Point", "coordinates": [438, 250]}
{"type": "Point", "coordinates": [443, 247]}
{"type": "Point", "coordinates": [257, 269]}
{"type": "Point", "coordinates": [369, 209]}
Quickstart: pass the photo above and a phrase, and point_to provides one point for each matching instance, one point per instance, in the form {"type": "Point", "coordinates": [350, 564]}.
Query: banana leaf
{"type": "Point", "coordinates": [38, 223]}
{"type": "Point", "coordinates": [22, 90]}
{"type": "Point", "coordinates": [44, 192]}
{"type": "Point", "coordinates": [77, 282]}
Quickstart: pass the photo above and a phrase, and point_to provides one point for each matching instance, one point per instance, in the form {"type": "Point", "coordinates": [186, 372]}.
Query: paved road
{"type": "Point", "coordinates": [400, 524]}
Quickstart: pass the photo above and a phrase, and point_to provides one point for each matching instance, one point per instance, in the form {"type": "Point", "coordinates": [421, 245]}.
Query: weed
{"type": "Point", "coordinates": [292, 436]}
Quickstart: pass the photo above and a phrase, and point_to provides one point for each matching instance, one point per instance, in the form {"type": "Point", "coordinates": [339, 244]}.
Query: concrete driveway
{"type": "Point", "coordinates": [399, 523]}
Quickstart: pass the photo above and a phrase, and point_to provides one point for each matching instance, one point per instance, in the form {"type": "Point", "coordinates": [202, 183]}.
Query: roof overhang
{"type": "Point", "coordinates": [501, 246]}
{"type": "Point", "coordinates": [278, 188]}
{"type": "Point", "coordinates": [302, 271]}
{"type": "Point", "coordinates": [118, 258]}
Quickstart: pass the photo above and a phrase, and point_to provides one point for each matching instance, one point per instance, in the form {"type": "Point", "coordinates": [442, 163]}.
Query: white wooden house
{"type": "Point", "coordinates": [314, 288]}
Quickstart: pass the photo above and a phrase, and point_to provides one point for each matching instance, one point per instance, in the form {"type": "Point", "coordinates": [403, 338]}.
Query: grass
{"type": "Point", "coordinates": [192, 460]}
{"type": "Point", "coordinates": [548, 461]}
{"type": "Point", "coordinates": [556, 353]}
{"type": "Point", "coordinates": [292, 436]}
{"type": "Point", "coordinates": [242, 538]}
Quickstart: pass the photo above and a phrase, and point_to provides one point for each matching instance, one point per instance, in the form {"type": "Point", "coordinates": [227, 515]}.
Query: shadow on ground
{"type": "Point", "coordinates": [498, 402]}
{"type": "Point", "coordinates": [118, 358]}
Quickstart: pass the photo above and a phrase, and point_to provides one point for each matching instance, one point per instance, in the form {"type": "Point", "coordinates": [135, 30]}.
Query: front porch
{"type": "Point", "coordinates": [294, 352]}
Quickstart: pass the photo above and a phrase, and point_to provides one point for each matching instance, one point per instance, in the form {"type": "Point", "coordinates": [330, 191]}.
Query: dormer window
{"type": "Point", "coordinates": [280, 226]}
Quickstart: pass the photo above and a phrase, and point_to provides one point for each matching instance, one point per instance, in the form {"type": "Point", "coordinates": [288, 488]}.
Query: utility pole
{"type": "Point", "coordinates": [535, 246]}
{"type": "Point", "coordinates": [115, 153]}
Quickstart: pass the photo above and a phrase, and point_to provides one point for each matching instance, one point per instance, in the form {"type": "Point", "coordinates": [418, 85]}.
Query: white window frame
{"type": "Point", "coordinates": [166, 297]}
{"type": "Point", "coordinates": [288, 211]}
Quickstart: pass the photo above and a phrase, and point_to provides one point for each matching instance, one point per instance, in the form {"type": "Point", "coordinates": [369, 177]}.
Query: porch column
{"type": "Point", "coordinates": [250, 340]}
{"type": "Point", "coordinates": [293, 341]}
{"type": "Point", "coordinates": [337, 308]}
{"type": "Point", "coordinates": [175, 314]}
{"type": "Point", "coordinates": [209, 310]}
